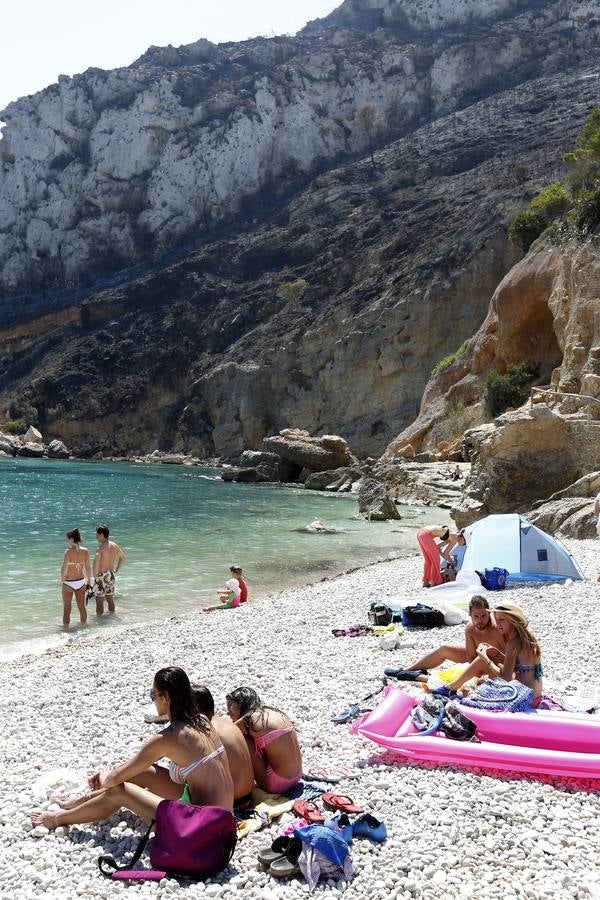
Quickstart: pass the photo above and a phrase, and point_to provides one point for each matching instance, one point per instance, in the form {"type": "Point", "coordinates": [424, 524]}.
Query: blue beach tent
{"type": "Point", "coordinates": [511, 542]}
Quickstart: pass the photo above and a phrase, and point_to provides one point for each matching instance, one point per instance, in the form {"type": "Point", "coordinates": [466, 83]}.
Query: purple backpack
{"type": "Point", "coordinates": [189, 840]}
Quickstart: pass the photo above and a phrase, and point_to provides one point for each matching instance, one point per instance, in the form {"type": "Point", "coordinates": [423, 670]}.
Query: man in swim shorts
{"type": "Point", "coordinates": [105, 570]}
{"type": "Point", "coordinates": [480, 629]}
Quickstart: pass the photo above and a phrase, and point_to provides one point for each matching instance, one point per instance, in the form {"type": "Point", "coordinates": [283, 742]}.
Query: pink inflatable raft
{"type": "Point", "coordinates": [544, 742]}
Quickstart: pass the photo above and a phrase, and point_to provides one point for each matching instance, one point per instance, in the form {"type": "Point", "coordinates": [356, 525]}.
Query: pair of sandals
{"type": "Point", "coordinates": [281, 858]}
{"type": "Point", "coordinates": [309, 810]}
{"type": "Point", "coordinates": [352, 631]}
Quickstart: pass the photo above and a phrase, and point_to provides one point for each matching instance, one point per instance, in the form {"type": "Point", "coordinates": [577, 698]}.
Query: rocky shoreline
{"type": "Point", "coordinates": [452, 832]}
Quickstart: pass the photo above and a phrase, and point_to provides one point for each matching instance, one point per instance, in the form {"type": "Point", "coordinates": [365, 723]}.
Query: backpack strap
{"type": "Point", "coordinates": [107, 864]}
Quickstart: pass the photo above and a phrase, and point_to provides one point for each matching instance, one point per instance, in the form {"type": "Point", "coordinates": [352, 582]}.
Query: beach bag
{"type": "Point", "coordinates": [441, 714]}
{"type": "Point", "coordinates": [422, 616]}
{"type": "Point", "coordinates": [189, 840]}
{"type": "Point", "coordinates": [495, 579]}
{"type": "Point", "coordinates": [380, 614]}
{"type": "Point", "coordinates": [496, 693]}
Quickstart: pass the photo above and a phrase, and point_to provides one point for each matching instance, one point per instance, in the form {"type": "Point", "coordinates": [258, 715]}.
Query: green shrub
{"type": "Point", "coordinates": [449, 360]}
{"type": "Point", "coordinates": [453, 425]}
{"type": "Point", "coordinates": [526, 227]}
{"type": "Point", "coordinates": [508, 391]}
{"type": "Point", "coordinates": [293, 290]}
{"type": "Point", "coordinates": [15, 426]}
{"type": "Point", "coordinates": [551, 202]}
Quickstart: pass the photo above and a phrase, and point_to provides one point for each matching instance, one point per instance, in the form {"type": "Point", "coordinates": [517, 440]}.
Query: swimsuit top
{"type": "Point", "coordinates": [180, 774]}
{"type": "Point", "coordinates": [536, 669]}
{"type": "Point", "coordinates": [262, 742]}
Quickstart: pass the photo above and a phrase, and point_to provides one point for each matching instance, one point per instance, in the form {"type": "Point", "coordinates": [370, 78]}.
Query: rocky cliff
{"type": "Point", "coordinates": [332, 207]}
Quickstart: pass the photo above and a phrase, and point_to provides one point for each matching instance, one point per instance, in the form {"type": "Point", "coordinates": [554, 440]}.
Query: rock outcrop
{"type": "Point", "coordinates": [374, 501]}
{"type": "Point", "coordinates": [314, 454]}
{"type": "Point", "coordinates": [569, 512]}
{"type": "Point", "coordinates": [100, 169]}
{"type": "Point", "coordinates": [524, 457]}
{"type": "Point", "coordinates": [382, 156]}
{"type": "Point", "coordinates": [31, 444]}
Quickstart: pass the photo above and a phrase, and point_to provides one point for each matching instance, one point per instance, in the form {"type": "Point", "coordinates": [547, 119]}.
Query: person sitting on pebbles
{"type": "Point", "coordinates": [236, 748]}
{"type": "Point", "coordinates": [480, 629]}
{"type": "Point", "coordinates": [522, 656]}
{"type": "Point", "coordinates": [199, 771]}
{"type": "Point", "coordinates": [230, 598]}
{"type": "Point", "coordinates": [271, 739]}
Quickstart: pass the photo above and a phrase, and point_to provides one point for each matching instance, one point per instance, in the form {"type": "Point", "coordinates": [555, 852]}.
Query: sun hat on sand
{"type": "Point", "coordinates": [512, 611]}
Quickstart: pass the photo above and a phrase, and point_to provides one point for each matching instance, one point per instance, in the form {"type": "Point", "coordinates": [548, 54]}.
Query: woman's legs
{"type": "Point", "coordinates": [102, 806]}
{"type": "Point", "coordinates": [432, 574]}
{"type": "Point", "coordinates": [67, 598]}
{"type": "Point", "coordinates": [80, 600]}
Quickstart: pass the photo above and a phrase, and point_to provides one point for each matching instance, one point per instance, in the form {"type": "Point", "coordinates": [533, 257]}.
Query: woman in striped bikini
{"type": "Point", "coordinates": [199, 764]}
{"type": "Point", "coordinates": [272, 740]}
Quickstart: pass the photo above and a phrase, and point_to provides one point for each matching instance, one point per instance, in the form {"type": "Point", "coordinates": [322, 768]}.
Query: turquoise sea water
{"type": "Point", "coordinates": [181, 529]}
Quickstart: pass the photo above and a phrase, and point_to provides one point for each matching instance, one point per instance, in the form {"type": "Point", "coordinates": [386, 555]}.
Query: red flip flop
{"type": "Point", "coordinates": [308, 809]}
{"type": "Point", "coordinates": [342, 802]}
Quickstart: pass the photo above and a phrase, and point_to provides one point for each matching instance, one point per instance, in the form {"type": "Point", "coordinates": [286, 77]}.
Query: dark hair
{"type": "Point", "coordinates": [174, 682]}
{"type": "Point", "coordinates": [102, 529]}
{"type": "Point", "coordinates": [249, 702]}
{"type": "Point", "coordinates": [75, 535]}
{"type": "Point", "coordinates": [204, 701]}
{"type": "Point", "coordinates": [478, 602]}
{"type": "Point", "coordinates": [235, 568]}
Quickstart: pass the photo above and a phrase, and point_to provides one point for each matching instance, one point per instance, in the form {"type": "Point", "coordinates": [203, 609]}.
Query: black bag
{"type": "Point", "coordinates": [421, 616]}
{"type": "Point", "coordinates": [380, 614]}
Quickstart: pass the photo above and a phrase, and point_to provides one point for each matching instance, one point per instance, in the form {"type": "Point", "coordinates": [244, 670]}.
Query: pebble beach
{"type": "Point", "coordinates": [452, 833]}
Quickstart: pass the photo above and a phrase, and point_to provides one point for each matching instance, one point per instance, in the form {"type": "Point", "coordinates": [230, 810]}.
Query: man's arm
{"type": "Point", "coordinates": [120, 557]}
{"type": "Point", "coordinates": [96, 563]}
{"type": "Point", "coordinates": [470, 642]}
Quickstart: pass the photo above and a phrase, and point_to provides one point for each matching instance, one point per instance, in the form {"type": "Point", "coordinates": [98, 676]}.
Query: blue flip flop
{"type": "Point", "coordinates": [343, 823]}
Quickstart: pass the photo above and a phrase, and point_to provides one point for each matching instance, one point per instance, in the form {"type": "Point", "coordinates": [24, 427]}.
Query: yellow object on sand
{"type": "Point", "coordinates": [273, 804]}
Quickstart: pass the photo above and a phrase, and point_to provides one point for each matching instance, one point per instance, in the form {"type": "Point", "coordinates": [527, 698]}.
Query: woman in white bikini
{"type": "Point", "coordinates": [198, 774]}
{"type": "Point", "coordinates": [75, 561]}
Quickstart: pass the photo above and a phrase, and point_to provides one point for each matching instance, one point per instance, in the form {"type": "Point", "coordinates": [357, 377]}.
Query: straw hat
{"type": "Point", "coordinates": [512, 611]}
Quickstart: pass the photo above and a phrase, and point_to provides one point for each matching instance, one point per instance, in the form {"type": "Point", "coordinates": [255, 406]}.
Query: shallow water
{"type": "Point", "coordinates": [180, 527]}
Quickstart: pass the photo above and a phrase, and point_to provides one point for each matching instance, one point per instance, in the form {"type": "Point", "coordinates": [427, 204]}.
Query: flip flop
{"type": "Point", "coordinates": [405, 674]}
{"type": "Point", "coordinates": [309, 810]}
{"type": "Point", "coordinates": [346, 715]}
{"type": "Point", "coordinates": [318, 773]}
{"type": "Point", "coordinates": [342, 802]}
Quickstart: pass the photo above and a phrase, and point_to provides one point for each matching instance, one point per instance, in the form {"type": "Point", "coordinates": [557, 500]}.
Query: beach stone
{"type": "Point", "coordinates": [57, 450]}
{"type": "Point", "coordinates": [33, 436]}
{"type": "Point", "coordinates": [31, 449]}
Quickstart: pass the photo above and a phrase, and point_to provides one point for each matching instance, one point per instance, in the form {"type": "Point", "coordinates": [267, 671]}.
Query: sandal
{"type": "Point", "coordinates": [287, 865]}
{"type": "Point", "coordinates": [277, 850]}
{"type": "Point", "coordinates": [368, 826]}
{"type": "Point", "coordinates": [308, 809]}
{"type": "Point", "coordinates": [342, 802]}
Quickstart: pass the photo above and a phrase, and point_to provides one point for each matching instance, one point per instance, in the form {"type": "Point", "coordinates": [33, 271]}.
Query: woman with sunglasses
{"type": "Point", "coordinates": [198, 774]}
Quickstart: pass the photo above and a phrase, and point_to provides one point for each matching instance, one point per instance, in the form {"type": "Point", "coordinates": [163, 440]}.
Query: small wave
{"type": "Point", "coordinates": [38, 645]}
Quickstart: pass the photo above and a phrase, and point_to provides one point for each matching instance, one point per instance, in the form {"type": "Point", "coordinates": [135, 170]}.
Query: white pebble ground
{"type": "Point", "coordinates": [452, 833]}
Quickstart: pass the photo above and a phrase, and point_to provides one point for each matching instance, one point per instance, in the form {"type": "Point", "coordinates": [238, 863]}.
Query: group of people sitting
{"type": "Point", "coordinates": [215, 760]}
{"type": "Point", "coordinates": [497, 644]}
